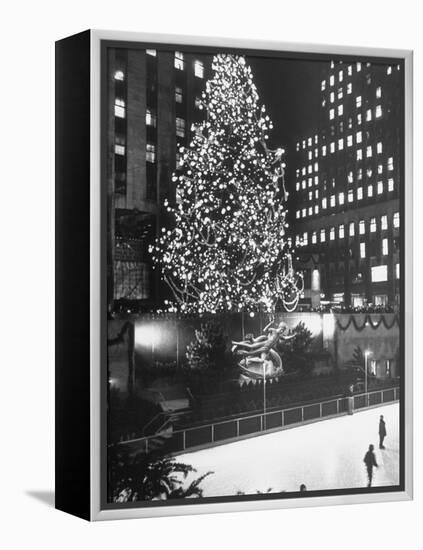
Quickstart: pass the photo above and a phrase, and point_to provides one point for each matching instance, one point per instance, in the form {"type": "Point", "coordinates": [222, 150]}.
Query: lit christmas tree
{"type": "Point", "coordinates": [227, 250]}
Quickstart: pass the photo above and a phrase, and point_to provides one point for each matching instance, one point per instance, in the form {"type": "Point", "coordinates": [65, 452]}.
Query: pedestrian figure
{"type": "Point", "coordinates": [370, 461]}
{"type": "Point", "coordinates": [382, 432]}
{"type": "Point", "coordinates": [303, 488]}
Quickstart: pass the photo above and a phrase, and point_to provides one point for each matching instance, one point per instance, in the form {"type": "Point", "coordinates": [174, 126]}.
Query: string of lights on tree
{"type": "Point", "coordinates": [228, 250]}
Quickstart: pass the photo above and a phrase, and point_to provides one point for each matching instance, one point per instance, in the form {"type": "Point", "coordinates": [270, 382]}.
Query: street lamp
{"type": "Point", "coordinates": [366, 355]}
{"type": "Point", "coordinates": [264, 396]}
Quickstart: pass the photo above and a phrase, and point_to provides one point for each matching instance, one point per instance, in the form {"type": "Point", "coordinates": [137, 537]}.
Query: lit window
{"type": "Point", "coordinates": [362, 227]}
{"type": "Point", "coordinates": [310, 169]}
{"type": "Point", "coordinates": [309, 142]}
{"type": "Point", "coordinates": [378, 91]}
{"type": "Point", "coordinates": [310, 182]}
{"type": "Point", "coordinates": [332, 114]}
{"type": "Point", "coordinates": [372, 225]}
{"type": "Point", "coordinates": [322, 235]}
{"type": "Point", "coordinates": [359, 118]}
{"type": "Point", "coordinates": [340, 76]}
{"type": "Point", "coordinates": [314, 237]}
{"type": "Point", "coordinates": [324, 203]}
{"type": "Point", "coordinates": [150, 153]}
{"type": "Point", "coordinates": [359, 193]}
{"type": "Point", "coordinates": [349, 70]}
{"type": "Point", "coordinates": [304, 212]}
{"type": "Point", "coordinates": [298, 146]}
{"type": "Point", "coordinates": [316, 139]}
{"type": "Point", "coordinates": [119, 149]}
{"type": "Point", "coordinates": [379, 147]}
{"type": "Point", "coordinates": [316, 152]}
{"type": "Point", "coordinates": [332, 147]}
{"type": "Point", "coordinates": [390, 163]}
{"type": "Point", "coordinates": [305, 238]}
{"type": "Point", "coordinates": [379, 273]}
{"type": "Point", "coordinates": [304, 184]}
{"type": "Point", "coordinates": [341, 198]}
{"type": "Point", "coordinates": [340, 93]}
{"type": "Point", "coordinates": [384, 222]}
{"type": "Point", "coordinates": [341, 232]}
{"type": "Point", "coordinates": [150, 118]}
{"type": "Point", "coordinates": [316, 166]}
{"type": "Point", "coordinates": [350, 195]}
{"type": "Point", "coordinates": [397, 271]}
{"type": "Point", "coordinates": [349, 88]}
{"type": "Point", "coordinates": [119, 108]}
{"type": "Point", "coordinates": [332, 201]}
{"type": "Point", "coordinates": [310, 210]}
{"type": "Point", "coordinates": [179, 61]}
{"type": "Point", "coordinates": [369, 151]}
{"type": "Point", "coordinates": [178, 94]}
{"type": "Point", "coordinates": [297, 186]}
{"type": "Point", "coordinates": [151, 52]}
{"type": "Point", "coordinates": [378, 111]}
{"type": "Point", "coordinates": [352, 229]}
{"type": "Point", "coordinates": [316, 194]}
{"type": "Point", "coordinates": [324, 150]}
{"type": "Point", "coordinates": [332, 234]}
{"type": "Point", "coordinates": [198, 69]}
{"type": "Point", "coordinates": [369, 114]}
{"type": "Point", "coordinates": [323, 86]}
{"type": "Point", "coordinates": [349, 141]}
{"type": "Point", "coordinates": [359, 137]}
{"type": "Point", "coordinates": [369, 172]}
{"type": "Point", "coordinates": [389, 70]}
{"type": "Point", "coordinates": [298, 214]}
{"type": "Point", "coordinates": [310, 155]}
{"type": "Point", "coordinates": [359, 154]}
{"type": "Point", "coordinates": [379, 169]}
{"type": "Point", "coordinates": [350, 177]}
{"type": "Point", "coordinates": [304, 143]}
{"type": "Point", "coordinates": [396, 220]}
{"type": "Point", "coordinates": [303, 170]}
{"type": "Point", "coordinates": [370, 191]}
{"type": "Point", "coordinates": [119, 75]}
{"type": "Point", "coordinates": [180, 127]}
{"type": "Point", "coordinates": [385, 247]}
{"type": "Point", "coordinates": [358, 66]}
{"type": "Point", "coordinates": [358, 101]}
{"type": "Point", "coordinates": [316, 209]}
{"type": "Point", "coordinates": [360, 174]}
{"type": "Point", "coordinates": [362, 250]}
{"type": "Point", "coordinates": [340, 110]}
{"type": "Point", "coordinates": [379, 187]}
{"type": "Point", "coordinates": [390, 184]}
{"type": "Point", "coordinates": [332, 80]}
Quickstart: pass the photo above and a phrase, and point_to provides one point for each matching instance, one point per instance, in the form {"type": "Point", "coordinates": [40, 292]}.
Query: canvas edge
{"type": "Point", "coordinates": [95, 245]}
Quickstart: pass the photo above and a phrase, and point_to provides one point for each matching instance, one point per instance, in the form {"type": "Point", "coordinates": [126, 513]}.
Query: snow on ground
{"type": "Point", "coordinates": [323, 455]}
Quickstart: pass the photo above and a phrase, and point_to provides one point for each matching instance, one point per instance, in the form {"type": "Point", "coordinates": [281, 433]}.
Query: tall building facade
{"type": "Point", "coordinates": [153, 98]}
{"type": "Point", "coordinates": [345, 201]}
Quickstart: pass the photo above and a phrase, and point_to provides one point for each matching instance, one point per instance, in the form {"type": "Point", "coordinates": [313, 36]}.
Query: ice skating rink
{"type": "Point", "coordinates": [324, 455]}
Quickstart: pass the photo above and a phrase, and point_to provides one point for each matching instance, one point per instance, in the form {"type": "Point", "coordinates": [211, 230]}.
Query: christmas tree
{"type": "Point", "coordinates": [227, 250]}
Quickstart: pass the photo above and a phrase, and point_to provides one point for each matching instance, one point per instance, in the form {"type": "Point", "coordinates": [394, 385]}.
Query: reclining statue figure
{"type": "Point", "coordinates": [260, 359]}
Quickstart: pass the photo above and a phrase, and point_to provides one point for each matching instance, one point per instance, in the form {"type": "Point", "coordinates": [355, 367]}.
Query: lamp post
{"type": "Point", "coordinates": [264, 396]}
{"type": "Point", "coordinates": [366, 355]}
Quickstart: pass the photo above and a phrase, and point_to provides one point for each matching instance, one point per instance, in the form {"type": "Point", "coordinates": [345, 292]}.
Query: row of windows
{"type": "Point", "coordinates": [348, 72]}
{"type": "Point", "coordinates": [179, 64]}
{"type": "Point", "coordinates": [331, 233]}
{"type": "Point", "coordinates": [369, 113]}
{"type": "Point", "coordinates": [339, 200]}
{"type": "Point", "coordinates": [350, 175]}
{"type": "Point", "coordinates": [339, 145]}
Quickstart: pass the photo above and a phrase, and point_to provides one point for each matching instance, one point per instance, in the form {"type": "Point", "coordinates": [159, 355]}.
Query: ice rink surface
{"type": "Point", "coordinates": [323, 455]}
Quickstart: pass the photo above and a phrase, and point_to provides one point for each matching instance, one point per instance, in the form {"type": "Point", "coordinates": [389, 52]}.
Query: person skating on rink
{"type": "Point", "coordinates": [382, 431]}
{"type": "Point", "coordinates": [370, 462]}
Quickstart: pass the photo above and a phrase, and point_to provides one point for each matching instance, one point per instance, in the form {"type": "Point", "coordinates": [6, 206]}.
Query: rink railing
{"type": "Point", "coordinates": [226, 431]}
